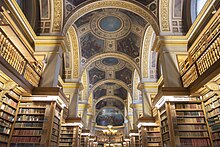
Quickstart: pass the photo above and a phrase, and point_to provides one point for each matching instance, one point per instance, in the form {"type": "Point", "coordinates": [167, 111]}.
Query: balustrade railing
{"type": "Point", "coordinates": [10, 53]}
{"type": "Point", "coordinates": [202, 55]}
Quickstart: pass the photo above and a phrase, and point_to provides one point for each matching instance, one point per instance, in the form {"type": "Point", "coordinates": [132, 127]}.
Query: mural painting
{"type": "Point", "coordinates": [124, 75]}
{"type": "Point", "coordinates": [129, 45]}
{"type": "Point", "coordinates": [110, 61]}
{"type": "Point", "coordinates": [86, 18]}
{"type": "Point", "coordinates": [121, 92]}
{"type": "Point", "coordinates": [110, 23]}
{"type": "Point", "coordinates": [99, 92]}
{"type": "Point", "coordinates": [110, 116]}
{"type": "Point", "coordinates": [90, 45]}
{"type": "Point", "coordinates": [135, 18]}
{"type": "Point", "coordinates": [96, 75]}
{"type": "Point", "coordinates": [110, 102]}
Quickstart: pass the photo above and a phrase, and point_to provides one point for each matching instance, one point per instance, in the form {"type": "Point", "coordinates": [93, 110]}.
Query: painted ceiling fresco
{"type": "Point", "coordinates": [99, 92]}
{"type": "Point", "coordinates": [110, 102]}
{"type": "Point", "coordinates": [91, 45]}
{"type": "Point", "coordinates": [96, 75]}
{"type": "Point", "coordinates": [121, 92]}
{"type": "Point", "coordinates": [125, 75]}
{"type": "Point", "coordinates": [151, 5]}
{"type": "Point", "coordinates": [110, 116]}
{"type": "Point", "coordinates": [118, 32]}
{"type": "Point", "coordinates": [110, 30]}
{"type": "Point", "coordinates": [129, 45]}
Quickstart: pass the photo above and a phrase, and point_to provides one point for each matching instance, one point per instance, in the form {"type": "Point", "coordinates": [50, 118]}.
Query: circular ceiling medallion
{"type": "Point", "coordinates": [110, 61]}
{"type": "Point", "coordinates": [110, 64]}
{"type": "Point", "coordinates": [110, 24]}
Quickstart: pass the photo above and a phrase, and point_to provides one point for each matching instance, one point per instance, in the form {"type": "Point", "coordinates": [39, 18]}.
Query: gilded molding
{"type": "Point", "coordinates": [145, 51]}
{"type": "Point", "coordinates": [57, 16]}
{"type": "Point", "coordinates": [164, 6]}
{"type": "Point", "coordinates": [116, 55]}
{"type": "Point", "coordinates": [144, 13]}
{"type": "Point", "coordinates": [75, 52]}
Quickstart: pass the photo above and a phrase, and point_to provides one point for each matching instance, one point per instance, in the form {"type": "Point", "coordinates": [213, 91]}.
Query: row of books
{"type": "Point", "coordinates": [10, 101]}
{"type": "Point", "coordinates": [188, 134]}
{"type": "Point", "coordinates": [190, 113]}
{"type": "Point", "coordinates": [66, 140]}
{"type": "Point", "coordinates": [66, 135]}
{"type": "Point", "coordinates": [155, 139]}
{"type": "Point", "coordinates": [153, 134]}
{"type": "Point", "coordinates": [4, 123]}
{"type": "Point", "coordinates": [213, 105]}
{"type": "Point", "coordinates": [212, 98]}
{"type": "Point", "coordinates": [25, 139]}
{"type": "Point", "coordinates": [30, 104]}
{"type": "Point", "coordinates": [215, 127]}
{"type": "Point", "coordinates": [28, 124]}
{"type": "Point", "coordinates": [3, 144]}
{"type": "Point", "coordinates": [70, 131]}
{"type": "Point", "coordinates": [4, 130]}
{"type": "Point", "coordinates": [211, 55]}
{"type": "Point", "coordinates": [217, 143]}
{"type": "Point", "coordinates": [4, 138]}
{"type": "Point", "coordinates": [65, 144]}
{"type": "Point", "coordinates": [28, 110]}
{"type": "Point", "coordinates": [195, 142]}
{"type": "Point", "coordinates": [151, 129]}
{"type": "Point", "coordinates": [190, 120]}
{"type": "Point", "coordinates": [164, 129]}
{"type": "Point", "coordinates": [165, 136]}
{"type": "Point", "coordinates": [214, 112]}
{"type": "Point", "coordinates": [216, 135]}
{"type": "Point", "coordinates": [188, 106]}
{"type": "Point", "coordinates": [30, 118]}
{"type": "Point", "coordinates": [27, 132]}
{"type": "Point", "coordinates": [7, 108]}
{"type": "Point", "coordinates": [191, 127]}
{"type": "Point", "coordinates": [7, 116]}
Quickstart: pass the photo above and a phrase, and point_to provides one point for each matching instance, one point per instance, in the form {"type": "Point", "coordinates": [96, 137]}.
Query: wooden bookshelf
{"type": "Point", "coordinates": [134, 138]}
{"type": "Point", "coordinates": [150, 135]}
{"type": "Point", "coordinates": [70, 135]}
{"type": "Point", "coordinates": [28, 128]}
{"type": "Point", "coordinates": [66, 136]}
{"type": "Point", "coordinates": [8, 110]}
{"type": "Point", "coordinates": [183, 122]}
{"type": "Point", "coordinates": [191, 127]}
{"type": "Point", "coordinates": [56, 126]}
{"type": "Point", "coordinates": [212, 111]}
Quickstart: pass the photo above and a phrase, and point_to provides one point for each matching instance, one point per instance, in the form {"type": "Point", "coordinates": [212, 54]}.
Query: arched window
{"type": "Point", "coordinates": [196, 7]}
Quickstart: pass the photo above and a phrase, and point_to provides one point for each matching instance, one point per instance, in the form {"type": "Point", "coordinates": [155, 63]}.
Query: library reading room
{"type": "Point", "coordinates": [109, 73]}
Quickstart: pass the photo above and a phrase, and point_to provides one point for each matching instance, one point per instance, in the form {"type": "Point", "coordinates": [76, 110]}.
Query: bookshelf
{"type": "Point", "coordinates": [8, 111]}
{"type": "Point", "coordinates": [191, 124]}
{"type": "Point", "coordinates": [150, 135]}
{"type": "Point", "coordinates": [183, 122]}
{"type": "Point", "coordinates": [56, 126]}
{"type": "Point", "coordinates": [66, 136]}
{"type": "Point", "coordinates": [164, 126]}
{"type": "Point", "coordinates": [212, 111]}
{"type": "Point", "coordinates": [70, 135]}
{"type": "Point", "coordinates": [28, 128]}
{"type": "Point", "coordinates": [134, 138]}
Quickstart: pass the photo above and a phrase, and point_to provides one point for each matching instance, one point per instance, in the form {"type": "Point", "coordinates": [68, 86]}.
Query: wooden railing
{"type": "Point", "coordinates": [10, 53]}
{"type": "Point", "coordinates": [202, 55]}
